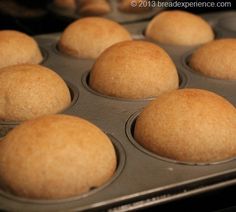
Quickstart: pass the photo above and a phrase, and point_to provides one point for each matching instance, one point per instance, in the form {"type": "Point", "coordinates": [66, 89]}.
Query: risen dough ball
{"type": "Point", "coordinates": [216, 59]}
{"type": "Point", "coordinates": [189, 125]}
{"type": "Point", "coordinates": [18, 48]}
{"type": "Point", "coordinates": [89, 37]}
{"type": "Point", "coordinates": [29, 91]}
{"type": "Point", "coordinates": [134, 69]}
{"type": "Point", "coordinates": [54, 157]}
{"type": "Point", "coordinates": [179, 28]}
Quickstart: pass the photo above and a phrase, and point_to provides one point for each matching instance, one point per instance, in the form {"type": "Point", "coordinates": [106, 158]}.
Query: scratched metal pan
{"type": "Point", "coordinates": [115, 14]}
{"type": "Point", "coordinates": [142, 178]}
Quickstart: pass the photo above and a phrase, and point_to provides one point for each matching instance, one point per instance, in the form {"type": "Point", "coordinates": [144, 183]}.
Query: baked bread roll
{"type": "Point", "coordinates": [134, 69]}
{"type": "Point", "coordinates": [179, 28]}
{"type": "Point", "coordinates": [189, 125]}
{"type": "Point", "coordinates": [66, 4]}
{"type": "Point", "coordinates": [55, 157]}
{"type": "Point", "coordinates": [28, 91]}
{"type": "Point", "coordinates": [134, 6]}
{"type": "Point", "coordinates": [88, 37]}
{"type": "Point", "coordinates": [93, 7]}
{"type": "Point", "coordinates": [18, 48]}
{"type": "Point", "coordinates": [216, 59]}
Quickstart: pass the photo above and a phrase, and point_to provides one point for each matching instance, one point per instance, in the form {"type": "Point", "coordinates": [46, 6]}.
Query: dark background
{"type": "Point", "coordinates": [33, 17]}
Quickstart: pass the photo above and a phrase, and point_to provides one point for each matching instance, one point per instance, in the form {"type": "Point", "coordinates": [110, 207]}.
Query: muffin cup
{"type": "Point", "coordinates": [44, 55]}
{"type": "Point", "coordinates": [85, 82]}
{"type": "Point", "coordinates": [47, 204]}
{"type": "Point", "coordinates": [186, 64]}
{"type": "Point", "coordinates": [130, 125]}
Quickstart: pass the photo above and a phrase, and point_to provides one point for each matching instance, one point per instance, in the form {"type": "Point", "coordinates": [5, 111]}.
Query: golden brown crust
{"type": "Point", "coordinates": [29, 91]}
{"type": "Point", "coordinates": [134, 69]}
{"type": "Point", "coordinates": [93, 7]}
{"type": "Point", "coordinates": [55, 156]}
{"type": "Point", "coordinates": [67, 4]}
{"type": "Point", "coordinates": [18, 48]}
{"type": "Point", "coordinates": [216, 59]}
{"type": "Point", "coordinates": [189, 125]}
{"type": "Point", "coordinates": [88, 37]}
{"type": "Point", "coordinates": [179, 28]}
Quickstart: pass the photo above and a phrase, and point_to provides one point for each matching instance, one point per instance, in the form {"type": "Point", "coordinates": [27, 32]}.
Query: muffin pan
{"type": "Point", "coordinates": [142, 178]}
{"type": "Point", "coordinates": [115, 14]}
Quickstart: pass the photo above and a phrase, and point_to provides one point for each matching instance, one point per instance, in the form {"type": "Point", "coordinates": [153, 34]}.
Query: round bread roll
{"type": "Point", "coordinates": [18, 48]}
{"type": "Point", "coordinates": [93, 7]}
{"type": "Point", "coordinates": [134, 69]}
{"type": "Point", "coordinates": [216, 59]}
{"type": "Point", "coordinates": [189, 125]}
{"type": "Point", "coordinates": [179, 28]}
{"type": "Point", "coordinates": [28, 91]}
{"type": "Point", "coordinates": [54, 157]}
{"type": "Point", "coordinates": [88, 37]}
{"type": "Point", "coordinates": [67, 4]}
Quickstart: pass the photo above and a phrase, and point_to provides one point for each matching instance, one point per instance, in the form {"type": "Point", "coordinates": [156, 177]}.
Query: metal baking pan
{"type": "Point", "coordinates": [115, 14]}
{"type": "Point", "coordinates": [142, 178]}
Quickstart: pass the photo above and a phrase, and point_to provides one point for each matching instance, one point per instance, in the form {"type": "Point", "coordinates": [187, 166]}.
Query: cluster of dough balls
{"type": "Point", "coordinates": [70, 153]}
{"type": "Point", "coordinates": [60, 151]}
{"type": "Point", "coordinates": [27, 90]}
{"type": "Point", "coordinates": [215, 58]}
